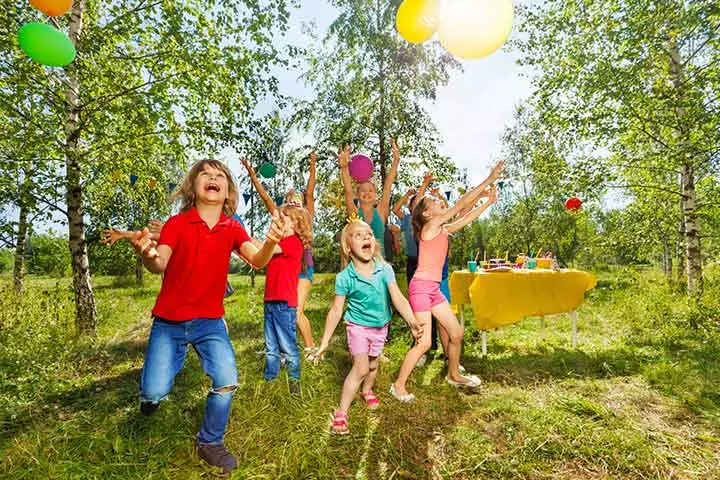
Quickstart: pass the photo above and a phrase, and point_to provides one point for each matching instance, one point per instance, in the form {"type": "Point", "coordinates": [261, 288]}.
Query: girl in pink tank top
{"type": "Point", "coordinates": [433, 222]}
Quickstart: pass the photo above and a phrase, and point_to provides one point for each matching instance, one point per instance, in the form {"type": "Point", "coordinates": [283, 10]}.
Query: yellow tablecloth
{"type": "Point", "coordinates": [503, 298]}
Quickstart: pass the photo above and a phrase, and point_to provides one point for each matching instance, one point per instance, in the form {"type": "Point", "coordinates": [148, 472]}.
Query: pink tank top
{"type": "Point", "coordinates": [431, 257]}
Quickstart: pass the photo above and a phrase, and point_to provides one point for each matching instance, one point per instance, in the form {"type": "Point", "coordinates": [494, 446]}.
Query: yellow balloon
{"type": "Point", "coordinates": [474, 29]}
{"type": "Point", "coordinates": [416, 20]}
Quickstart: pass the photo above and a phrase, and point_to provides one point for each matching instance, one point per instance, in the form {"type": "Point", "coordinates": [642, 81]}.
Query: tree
{"type": "Point", "coordinates": [372, 85]}
{"type": "Point", "coordinates": [152, 80]}
{"type": "Point", "coordinates": [640, 80]}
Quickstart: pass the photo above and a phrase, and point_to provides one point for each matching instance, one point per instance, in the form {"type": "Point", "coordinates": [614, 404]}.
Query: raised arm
{"type": "Point", "coordinates": [155, 257]}
{"type": "Point", "coordinates": [331, 323]}
{"type": "Point", "coordinates": [310, 190]}
{"type": "Point", "coordinates": [468, 199]}
{"type": "Point", "coordinates": [485, 193]}
{"type": "Point", "coordinates": [259, 257]}
{"type": "Point", "coordinates": [384, 204]}
{"type": "Point", "coordinates": [269, 202]}
{"type": "Point", "coordinates": [472, 214]}
{"type": "Point", "coordinates": [344, 162]}
{"type": "Point", "coordinates": [427, 180]}
{"type": "Point", "coordinates": [398, 207]}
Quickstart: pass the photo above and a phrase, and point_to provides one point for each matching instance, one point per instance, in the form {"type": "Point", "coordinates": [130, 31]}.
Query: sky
{"type": "Point", "coordinates": [471, 111]}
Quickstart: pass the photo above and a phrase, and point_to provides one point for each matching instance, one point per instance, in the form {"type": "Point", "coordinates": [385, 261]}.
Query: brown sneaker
{"type": "Point", "coordinates": [217, 456]}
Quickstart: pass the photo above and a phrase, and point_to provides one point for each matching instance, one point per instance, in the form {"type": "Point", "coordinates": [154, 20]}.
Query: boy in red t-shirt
{"type": "Point", "coordinates": [281, 297]}
{"type": "Point", "coordinates": [193, 253]}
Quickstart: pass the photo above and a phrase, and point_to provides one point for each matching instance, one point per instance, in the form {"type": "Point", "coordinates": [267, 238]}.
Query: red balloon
{"type": "Point", "coordinates": [53, 8]}
{"type": "Point", "coordinates": [574, 204]}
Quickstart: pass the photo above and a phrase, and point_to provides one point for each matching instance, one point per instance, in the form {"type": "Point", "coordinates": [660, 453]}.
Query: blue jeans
{"type": "Point", "coordinates": [280, 336]}
{"type": "Point", "coordinates": [165, 356]}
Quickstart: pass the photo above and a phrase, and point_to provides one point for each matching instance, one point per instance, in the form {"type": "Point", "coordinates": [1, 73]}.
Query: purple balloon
{"type": "Point", "coordinates": [361, 167]}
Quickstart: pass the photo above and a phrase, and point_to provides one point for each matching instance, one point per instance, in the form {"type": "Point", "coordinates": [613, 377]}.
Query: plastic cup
{"type": "Point", "coordinates": [531, 263]}
{"type": "Point", "coordinates": [472, 266]}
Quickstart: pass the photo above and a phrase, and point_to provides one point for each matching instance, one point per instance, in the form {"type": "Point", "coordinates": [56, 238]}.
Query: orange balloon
{"type": "Point", "coordinates": [53, 8]}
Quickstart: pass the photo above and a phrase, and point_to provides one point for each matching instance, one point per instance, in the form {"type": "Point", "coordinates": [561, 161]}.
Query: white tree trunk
{"type": "Point", "coordinates": [85, 313]}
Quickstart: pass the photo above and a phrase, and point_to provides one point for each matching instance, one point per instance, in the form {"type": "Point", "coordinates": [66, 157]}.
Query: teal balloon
{"type": "Point", "coordinates": [46, 45]}
{"type": "Point", "coordinates": [268, 170]}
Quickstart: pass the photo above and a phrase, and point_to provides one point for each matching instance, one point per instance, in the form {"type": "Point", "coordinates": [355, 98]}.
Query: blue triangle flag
{"type": "Point", "coordinates": [279, 200]}
{"type": "Point", "coordinates": [447, 194]}
{"type": "Point", "coordinates": [171, 186]}
{"type": "Point", "coordinates": [247, 197]}
{"type": "Point", "coordinates": [133, 180]}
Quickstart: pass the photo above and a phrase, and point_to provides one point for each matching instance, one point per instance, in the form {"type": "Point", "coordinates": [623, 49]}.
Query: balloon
{"type": "Point", "coordinates": [574, 204]}
{"type": "Point", "coordinates": [53, 8]}
{"type": "Point", "coordinates": [361, 168]}
{"type": "Point", "coordinates": [267, 170]}
{"type": "Point", "coordinates": [46, 45]}
{"type": "Point", "coordinates": [416, 20]}
{"type": "Point", "coordinates": [473, 29]}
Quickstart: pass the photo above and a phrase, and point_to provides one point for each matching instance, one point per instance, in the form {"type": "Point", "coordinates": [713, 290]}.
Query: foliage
{"type": "Point", "coordinates": [48, 255]}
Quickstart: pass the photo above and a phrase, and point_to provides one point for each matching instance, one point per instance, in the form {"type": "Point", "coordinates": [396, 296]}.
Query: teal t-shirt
{"type": "Point", "coordinates": [368, 300]}
{"type": "Point", "coordinates": [377, 226]}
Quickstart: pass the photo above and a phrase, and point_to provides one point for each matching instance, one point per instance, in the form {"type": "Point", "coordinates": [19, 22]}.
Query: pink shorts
{"type": "Point", "coordinates": [366, 340]}
{"type": "Point", "coordinates": [424, 294]}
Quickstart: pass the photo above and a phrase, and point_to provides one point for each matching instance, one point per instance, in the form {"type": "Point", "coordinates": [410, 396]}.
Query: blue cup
{"type": "Point", "coordinates": [531, 264]}
{"type": "Point", "coordinates": [472, 266]}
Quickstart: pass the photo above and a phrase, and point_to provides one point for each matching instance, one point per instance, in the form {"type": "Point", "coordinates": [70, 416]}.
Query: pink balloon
{"type": "Point", "coordinates": [361, 167]}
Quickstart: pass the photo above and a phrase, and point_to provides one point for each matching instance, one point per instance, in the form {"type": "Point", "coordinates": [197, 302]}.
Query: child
{"type": "Point", "coordinates": [371, 209]}
{"type": "Point", "coordinates": [295, 197]}
{"type": "Point", "coordinates": [193, 252]}
{"type": "Point", "coordinates": [430, 221]}
{"type": "Point", "coordinates": [366, 283]}
{"type": "Point", "coordinates": [281, 298]}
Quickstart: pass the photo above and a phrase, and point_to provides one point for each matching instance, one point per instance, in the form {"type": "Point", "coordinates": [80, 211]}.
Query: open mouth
{"type": "Point", "coordinates": [367, 247]}
{"type": "Point", "coordinates": [212, 187]}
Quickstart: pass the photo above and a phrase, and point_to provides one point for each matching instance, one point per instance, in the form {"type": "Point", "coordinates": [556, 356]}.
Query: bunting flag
{"type": "Point", "coordinates": [500, 184]}
{"type": "Point", "coordinates": [116, 176]}
{"type": "Point", "coordinates": [152, 183]}
{"type": "Point", "coordinates": [133, 180]}
{"type": "Point", "coordinates": [356, 202]}
{"type": "Point", "coordinates": [279, 200]}
{"type": "Point", "coordinates": [447, 194]}
{"type": "Point", "coordinates": [247, 197]}
{"type": "Point", "coordinates": [171, 187]}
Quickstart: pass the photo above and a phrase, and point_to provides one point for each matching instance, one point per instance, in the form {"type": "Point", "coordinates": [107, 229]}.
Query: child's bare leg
{"type": "Point", "coordinates": [414, 354]}
{"type": "Point", "coordinates": [369, 381]}
{"type": "Point", "coordinates": [445, 317]}
{"type": "Point", "coordinates": [353, 381]}
{"type": "Point", "coordinates": [444, 337]}
{"type": "Point", "coordinates": [303, 323]}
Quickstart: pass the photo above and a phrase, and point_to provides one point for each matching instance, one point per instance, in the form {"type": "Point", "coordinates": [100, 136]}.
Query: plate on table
{"type": "Point", "coordinates": [499, 269]}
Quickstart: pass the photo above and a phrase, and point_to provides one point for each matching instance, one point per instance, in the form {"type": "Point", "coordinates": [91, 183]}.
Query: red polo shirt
{"type": "Point", "coordinates": [194, 282]}
{"type": "Point", "coordinates": [283, 272]}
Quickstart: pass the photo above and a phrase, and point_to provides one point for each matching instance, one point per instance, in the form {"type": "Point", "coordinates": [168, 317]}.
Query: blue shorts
{"type": "Point", "coordinates": [307, 274]}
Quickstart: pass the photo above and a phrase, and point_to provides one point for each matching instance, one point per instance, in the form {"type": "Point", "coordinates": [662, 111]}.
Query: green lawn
{"type": "Point", "coordinates": [639, 397]}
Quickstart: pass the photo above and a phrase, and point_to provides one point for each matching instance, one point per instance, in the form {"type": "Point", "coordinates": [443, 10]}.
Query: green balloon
{"type": "Point", "coordinates": [268, 170]}
{"type": "Point", "coordinates": [46, 45]}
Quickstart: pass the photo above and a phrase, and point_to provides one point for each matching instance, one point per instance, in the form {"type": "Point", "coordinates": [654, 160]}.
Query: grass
{"type": "Point", "coordinates": [638, 399]}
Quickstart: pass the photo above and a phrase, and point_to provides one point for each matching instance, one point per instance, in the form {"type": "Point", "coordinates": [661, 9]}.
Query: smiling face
{"type": "Point", "coordinates": [359, 242]}
{"type": "Point", "coordinates": [211, 186]}
{"type": "Point", "coordinates": [366, 193]}
{"type": "Point", "coordinates": [434, 207]}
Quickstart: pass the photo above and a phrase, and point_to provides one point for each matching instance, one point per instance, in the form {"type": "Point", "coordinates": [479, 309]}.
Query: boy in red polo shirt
{"type": "Point", "coordinates": [193, 252]}
{"type": "Point", "coordinates": [281, 297]}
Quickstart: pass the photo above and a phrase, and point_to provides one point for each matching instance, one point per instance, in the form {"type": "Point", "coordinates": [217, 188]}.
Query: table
{"type": "Point", "coordinates": [504, 298]}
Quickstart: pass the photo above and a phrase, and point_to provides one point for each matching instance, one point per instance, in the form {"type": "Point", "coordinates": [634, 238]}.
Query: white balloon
{"type": "Point", "coordinates": [474, 29]}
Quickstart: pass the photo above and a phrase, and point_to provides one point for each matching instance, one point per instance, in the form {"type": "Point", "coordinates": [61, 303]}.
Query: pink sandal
{"type": "Point", "coordinates": [371, 400]}
{"type": "Point", "coordinates": [339, 423]}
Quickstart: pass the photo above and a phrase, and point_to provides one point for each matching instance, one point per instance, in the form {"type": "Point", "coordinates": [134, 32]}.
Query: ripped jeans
{"type": "Point", "coordinates": [165, 356]}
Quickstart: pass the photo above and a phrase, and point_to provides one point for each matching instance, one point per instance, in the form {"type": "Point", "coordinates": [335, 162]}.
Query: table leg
{"type": "Point", "coordinates": [573, 318]}
{"type": "Point", "coordinates": [484, 342]}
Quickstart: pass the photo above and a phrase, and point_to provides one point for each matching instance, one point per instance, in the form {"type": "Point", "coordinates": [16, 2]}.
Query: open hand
{"type": "Point", "coordinates": [110, 235]}
{"type": "Point", "coordinates": [277, 227]}
{"type": "Point", "coordinates": [395, 151]}
{"type": "Point", "coordinates": [344, 156]}
{"type": "Point", "coordinates": [248, 166]}
{"type": "Point", "coordinates": [155, 226]}
{"type": "Point", "coordinates": [313, 159]}
{"type": "Point", "coordinates": [497, 170]}
{"type": "Point", "coordinates": [143, 244]}
{"type": "Point", "coordinates": [428, 179]}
